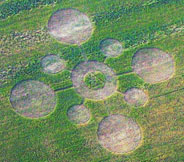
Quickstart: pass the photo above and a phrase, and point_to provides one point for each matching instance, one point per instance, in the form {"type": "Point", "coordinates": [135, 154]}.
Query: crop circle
{"type": "Point", "coordinates": [52, 64]}
{"type": "Point", "coordinates": [95, 80]}
{"type": "Point", "coordinates": [153, 65]}
{"type": "Point", "coordinates": [119, 134]}
{"type": "Point", "coordinates": [32, 99]}
{"type": "Point", "coordinates": [80, 72]}
{"type": "Point", "coordinates": [136, 97]}
{"type": "Point", "coordinates": [79, 114]}
{"type": "Point", "coordinates": [111, 47]}
{"type": "Point", "coordinates": [70, 26]}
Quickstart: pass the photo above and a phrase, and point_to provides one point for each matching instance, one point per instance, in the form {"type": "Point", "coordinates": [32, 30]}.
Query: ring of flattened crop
{"type": "Point", "coordinates": [82, 69]}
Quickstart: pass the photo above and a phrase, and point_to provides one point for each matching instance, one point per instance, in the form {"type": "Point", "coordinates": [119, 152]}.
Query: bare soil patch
{"type": "Point", "coordinates": [70, 26]}
{"type": "Point", "coordinates": [136, 97]}
{"type": "Point", "coordinates": [82, 69]}
{"type": "Point", "coordinates": [52, 64]}
{"type": "Point", "coordinates": [119, 134]}
{"type": "Point", "coordinates": [32, 99]}
{"type": "Point", "coordinates": [79, 114]}
{"type": "Point", "coordinates": [111, 47]}
{"type": "Point", "coordinates": [153, 65]}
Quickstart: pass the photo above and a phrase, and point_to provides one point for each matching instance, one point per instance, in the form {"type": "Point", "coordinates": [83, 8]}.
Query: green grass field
{"type": "Point", "coordinates": [24, 41]}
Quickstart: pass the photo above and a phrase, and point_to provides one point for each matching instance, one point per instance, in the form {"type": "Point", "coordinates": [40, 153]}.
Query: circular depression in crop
{"type": "Point", "coordinates": [136, 97]}
{"type": "Point", "coordinates": [79, 114]}
{"type": "Point", "coordinates": [111, 47]}
{"type": "Point", "coordinates": [153, 65]}
{"type": "Point", "coordinates": [70, 26]}
{"type": "Point", "coordinates": [78, 78]}
{"type": "Point", "coordinates": [32, 99]}
{"type": "Point", "coordinates": [52, 64]}
{"type": "Point", "coordinates": [119, 134]}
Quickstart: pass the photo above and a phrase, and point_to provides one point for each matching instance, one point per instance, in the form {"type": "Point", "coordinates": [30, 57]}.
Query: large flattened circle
{"type": "Point", "coordinates": [79, 114]}
{"type": "Point", "coordinates": [153, 65]}
{"type": "Point", "coordinates": [136, 97]}
{"type": "Point", "coordinates": [82, 69]}
{"type": "Point", "coordinates": [119, 134]}
{"type": "Point", "coordinates": [32, 99]}
{"type": "Point", "coordinates": [52, 64]}
{"type": "Point", "coordinates": [70, 26]}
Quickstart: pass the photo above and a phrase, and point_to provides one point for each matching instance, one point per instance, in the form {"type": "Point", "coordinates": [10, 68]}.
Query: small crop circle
{"type": "Point", "coordinates": [119, 134]}
{"type": "Point", "coordinates": [79, 114]}
{"type": "Point", "coordinates": [32, 99]}
{"type": "Point", "coordinates": [52, 64]}
{"type": "Point", "coordinates": [111, 47]}
{"type": "Point", "coordinates": [153, 65]}
{"type": "Point", "coordinates": [70, 26]}
{"type": "Point", "coordinates": [95, 80]}
{"type": "Point", "coordinates": [83, 69]}
{"type": "Point", "coordinates": [136, 97]}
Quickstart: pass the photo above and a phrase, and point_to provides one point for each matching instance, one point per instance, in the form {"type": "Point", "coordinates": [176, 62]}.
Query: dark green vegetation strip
{"type": "Point", "coordinates": [15, 6]}
{"type": "Point", "coordinates": [128, 81]}
{"type": "Point", "coordinates": [118, 11]}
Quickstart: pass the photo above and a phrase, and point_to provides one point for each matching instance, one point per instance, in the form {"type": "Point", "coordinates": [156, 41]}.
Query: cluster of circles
{"type": "Point", "coordinates": [93, 80]}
